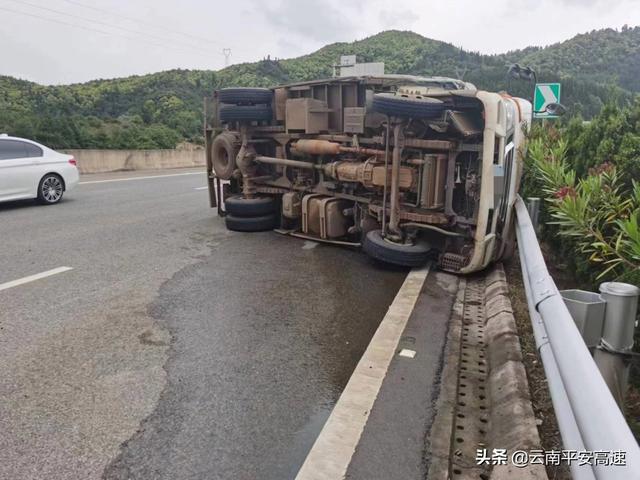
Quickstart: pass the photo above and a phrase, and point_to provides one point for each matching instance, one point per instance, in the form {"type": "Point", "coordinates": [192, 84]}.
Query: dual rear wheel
{"type": "Point", "coordinates": [254, 214]}
{"type": "Point", "coordinates": [245, 105]}
{"type": "Point", "coordinates": [250, 214]}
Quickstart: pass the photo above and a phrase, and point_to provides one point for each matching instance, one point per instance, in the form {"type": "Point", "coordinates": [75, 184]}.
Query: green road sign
{"type": "Point", "coordinates": [545, 94]}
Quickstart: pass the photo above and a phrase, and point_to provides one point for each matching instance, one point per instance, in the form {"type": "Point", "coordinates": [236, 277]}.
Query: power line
{"type": "Point", "coordinates": [137, 20]}
{"type": "Point", "coordinates": [56, 21]}
{"type": "Point", "coordinates": [73, 25]}
{"type": "Point", "coordinates": [98, 22]}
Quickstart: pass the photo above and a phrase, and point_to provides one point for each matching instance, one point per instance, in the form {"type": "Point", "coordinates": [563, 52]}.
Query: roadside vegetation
{"type": "Point", "coordinates": [163, 109]}
{"type": "Point", "coordinates": [588, 175]}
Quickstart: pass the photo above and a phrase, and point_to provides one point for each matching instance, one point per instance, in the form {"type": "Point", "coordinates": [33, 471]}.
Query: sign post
{"type": "Point", "coordinates": [545, 93]}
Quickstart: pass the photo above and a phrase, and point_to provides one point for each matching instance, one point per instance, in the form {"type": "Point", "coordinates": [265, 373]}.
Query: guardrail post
{"type": "Point", "coordinates": [533, 207]}
{"type": "Point", "coordinates": [613, 354]}
{"type": "Point", "coordinates": [587, 310]}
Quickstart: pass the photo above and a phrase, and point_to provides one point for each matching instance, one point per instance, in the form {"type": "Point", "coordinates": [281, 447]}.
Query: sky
{"type": "Point", "coordinates": [71, 41]}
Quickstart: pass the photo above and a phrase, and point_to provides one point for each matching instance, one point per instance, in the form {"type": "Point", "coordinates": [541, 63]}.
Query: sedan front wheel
{"type": "Point", "coordinates": [50, 189]}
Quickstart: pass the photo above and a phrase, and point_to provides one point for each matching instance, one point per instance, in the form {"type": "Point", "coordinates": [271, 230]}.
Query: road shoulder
{"type": "Point", "coordinates": [393, 444]}
{"type": "Point", "coordinates": [379, 426]}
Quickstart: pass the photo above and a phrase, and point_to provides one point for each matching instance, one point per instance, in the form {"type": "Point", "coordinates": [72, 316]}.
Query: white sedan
{"type": "Point", "coordinates": [31, 170]}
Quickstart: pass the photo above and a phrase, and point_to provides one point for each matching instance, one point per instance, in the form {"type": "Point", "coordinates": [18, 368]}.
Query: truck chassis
{"type": "Point", "coordinates": [409, 168]}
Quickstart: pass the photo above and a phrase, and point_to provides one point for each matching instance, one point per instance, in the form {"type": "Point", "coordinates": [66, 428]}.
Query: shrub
{"type": "Point", "coordinates": [596, 216]}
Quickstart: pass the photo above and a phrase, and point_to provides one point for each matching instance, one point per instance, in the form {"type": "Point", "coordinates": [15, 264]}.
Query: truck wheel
{"type": "Point", "coordinates": [411, 107]}
{"type": "Point", "coordinates": [245, 96]}
{"type": "Point", "coordinates": [223, 155]}
{"type": "Point", "coordinates": [251, 224]}
{"type": "Point", "coordinates": [249, 207]}
{"type": "Point", "coordinates": [395, 253]}
{"type": "Point", "coordinates": [239, 113]}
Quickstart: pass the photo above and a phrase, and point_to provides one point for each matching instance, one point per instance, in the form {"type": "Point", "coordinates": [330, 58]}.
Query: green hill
{"type": "Point", "coordinates": [161, 109]}
{"type": "Point", "coordinates": [601, 56]}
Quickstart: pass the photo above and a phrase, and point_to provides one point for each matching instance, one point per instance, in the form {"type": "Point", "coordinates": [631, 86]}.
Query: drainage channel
{"type": "Point", "coordinates": [471, 415]}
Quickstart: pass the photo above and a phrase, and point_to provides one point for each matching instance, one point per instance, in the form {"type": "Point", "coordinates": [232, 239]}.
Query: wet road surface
{"type": "Point", "coordinates": [173, 349]}
{"type": "Point", "coordinates": [265, 335]}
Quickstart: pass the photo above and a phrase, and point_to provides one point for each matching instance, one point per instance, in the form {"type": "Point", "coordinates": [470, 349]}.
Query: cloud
{"type": "Point", "coordinates": [321, 22]}
{"type": "Point", "coordinates": [41, 49]}
{"type": "Point", "coordinates": [600, 3]}
{"type": "Point", "coordinates": [397, 18]}
{"type": "Point", "coordinates": [580, 4]}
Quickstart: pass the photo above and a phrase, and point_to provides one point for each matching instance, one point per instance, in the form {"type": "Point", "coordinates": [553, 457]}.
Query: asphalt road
{"type": "Point", "coordinates": [172, 349]}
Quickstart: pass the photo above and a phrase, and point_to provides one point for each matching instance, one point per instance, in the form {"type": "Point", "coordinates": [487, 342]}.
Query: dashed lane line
{"type": "Point", "coordinates": [33, 278]}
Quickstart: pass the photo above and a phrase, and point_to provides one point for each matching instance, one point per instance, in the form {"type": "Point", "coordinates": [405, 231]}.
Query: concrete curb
{"type": "Point", "coordinates": [512, 421]}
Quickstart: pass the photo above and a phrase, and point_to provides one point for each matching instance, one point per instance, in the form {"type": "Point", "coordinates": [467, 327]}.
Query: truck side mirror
{"type": "Point", "coordinates": [555, 109]}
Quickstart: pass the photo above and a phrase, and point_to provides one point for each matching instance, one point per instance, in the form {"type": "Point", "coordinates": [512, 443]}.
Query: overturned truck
{"type": "Point", "coordinates": [408, 168]}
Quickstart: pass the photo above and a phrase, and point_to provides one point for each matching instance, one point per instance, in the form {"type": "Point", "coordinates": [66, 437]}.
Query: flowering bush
{"type": "Point", "coordinates": [598, 213]}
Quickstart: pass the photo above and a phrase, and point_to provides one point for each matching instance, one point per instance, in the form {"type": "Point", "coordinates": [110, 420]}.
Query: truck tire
{"type": "Point", "coordinates": [410, 107]}
{"type": "Point", "coordinates": [249, 207]}
{"type": "Point", "coordinates": [251, 224]}
{"type": "Point", "coordinates": [249, 113]}
{"type": "Point", "coordinates": [245, 96]}
{"type": "Point", "coordinates": [223, 155]}
{"type": "Point", "coordinates": [395, 253]}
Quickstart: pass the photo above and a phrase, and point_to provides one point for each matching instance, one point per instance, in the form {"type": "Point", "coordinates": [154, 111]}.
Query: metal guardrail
{"type": "Point", "coordinates": [588, 416]}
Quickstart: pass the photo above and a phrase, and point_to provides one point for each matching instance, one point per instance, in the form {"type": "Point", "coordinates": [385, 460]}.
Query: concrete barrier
{"type": "Point", "coordinates": [99, 161]}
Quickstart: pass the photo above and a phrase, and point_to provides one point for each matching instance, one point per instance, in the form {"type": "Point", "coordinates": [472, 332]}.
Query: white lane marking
{"type": "Point", "coordinates": [331, 454]}
{"type": "Point", "coordinates": [141, 178]}
{"type": "Point", "coordinates": [405, 352]}
{"type": "Point", "coordinates": [201, 188]}
{"type": "Point", "coordinates": [308, 245]}
{"type": "Point", "coordinates": [32, 278]}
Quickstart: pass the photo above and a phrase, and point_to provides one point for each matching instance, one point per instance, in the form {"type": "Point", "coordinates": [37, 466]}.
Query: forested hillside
{"type": "Point", "coordinates": [602, 56]}
{"type": "Point", "coordinates": [162, 109]}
